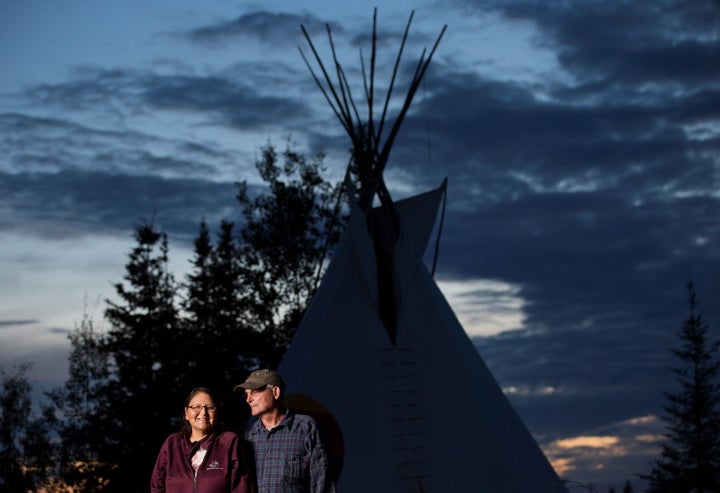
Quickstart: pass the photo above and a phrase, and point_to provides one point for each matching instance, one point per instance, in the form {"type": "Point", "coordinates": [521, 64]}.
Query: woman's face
{"type": "Point", "coordinates": [200, 413]}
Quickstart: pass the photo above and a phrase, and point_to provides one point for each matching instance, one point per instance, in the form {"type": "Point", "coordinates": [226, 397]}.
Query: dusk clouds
{"type": "Point", "coordinates": [580, 141]}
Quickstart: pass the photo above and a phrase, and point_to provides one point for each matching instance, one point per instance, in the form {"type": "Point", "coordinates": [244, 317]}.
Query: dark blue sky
{"type": "Point", "coordinates": [580, 140]}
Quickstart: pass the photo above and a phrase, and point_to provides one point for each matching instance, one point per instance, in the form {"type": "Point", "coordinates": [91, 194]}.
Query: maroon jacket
{"type": "Point", "coordinates": [225, 468]}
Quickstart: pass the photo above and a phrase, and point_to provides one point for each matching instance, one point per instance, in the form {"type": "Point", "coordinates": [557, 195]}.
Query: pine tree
{"type": "Point", "coordinates": [148, 352]}
{"type": "Point", "coordinates": [690, 459]}
{"type": "Point", "coordinates": [198, 303]}
{"type": "Point", "coordinates": [84, 410]}
{"type": "Point", "coordinates": [230, 315]}
{"type": "Point", "coordinates": [243, 300]}
{"type": "Point", "coordinates": [26, 452]}
{"type": "Point", "coordinates": [224, 349]}
{"type": "Point", "coordinates": [40, 452]}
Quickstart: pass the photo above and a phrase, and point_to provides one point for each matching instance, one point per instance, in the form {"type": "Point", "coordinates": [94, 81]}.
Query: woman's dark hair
{"type": "Point", "coordinates": [185, 428]}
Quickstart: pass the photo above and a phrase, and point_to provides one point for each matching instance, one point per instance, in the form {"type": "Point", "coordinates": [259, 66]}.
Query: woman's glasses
{"type": "Point", "coordinates": [197, 408]}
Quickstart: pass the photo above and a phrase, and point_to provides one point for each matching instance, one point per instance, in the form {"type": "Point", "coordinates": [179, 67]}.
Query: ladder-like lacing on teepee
{"type": "Point", "coordinates": [405, 414]}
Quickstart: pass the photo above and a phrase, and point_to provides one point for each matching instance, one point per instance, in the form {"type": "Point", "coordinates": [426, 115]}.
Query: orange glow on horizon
{"type": "Point", "coordinates": [588, 442]}
{"type": "Point", "coordinates": [562, 465]}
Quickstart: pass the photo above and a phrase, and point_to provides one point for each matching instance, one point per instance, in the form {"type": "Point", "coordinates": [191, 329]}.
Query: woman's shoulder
{"type": "Point", "coordinates": [177, 436]}
{"type": "Point", "coordinates": [175, 440]}
{"type": "Point", "coordinates": [226, 436]}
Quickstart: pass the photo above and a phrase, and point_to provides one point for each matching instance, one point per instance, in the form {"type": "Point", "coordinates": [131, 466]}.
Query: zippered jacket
{"type": "Point", "coordinates": [224, 469]}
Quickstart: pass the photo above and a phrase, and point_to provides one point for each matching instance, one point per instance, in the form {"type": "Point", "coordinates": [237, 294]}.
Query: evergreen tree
{"type": "Point", "coordinates": [147, 350]}
{"type": "Point", "coordinates": [230, 317]}
{"type": "Point", "coordinates": [84, 409]}
{"type": "Point", "coordinates": [690, 459]}
{"type": "Point", "coordinates": [198, 303]}
{"type": "Point", "coordinates": [40, 454]}
{"type": "Point", "coordinates": [284, 243]}
{"type": "Point", "coordinates": [243, 300]}
{"type": "Point", "coordinates": [26, 453]}
{"type": "Point", "coordinates": [628, 487]}
{"type": "Point", "coordinates": [223, 346]}
{"type": "Point", "coordinates": [199, 309]}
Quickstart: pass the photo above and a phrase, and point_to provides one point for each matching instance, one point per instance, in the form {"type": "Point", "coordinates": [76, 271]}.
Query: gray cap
{"type": "Point", "coordinates": [259, 379]}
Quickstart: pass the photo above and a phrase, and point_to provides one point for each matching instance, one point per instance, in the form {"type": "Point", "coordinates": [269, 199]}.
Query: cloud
{"type": "Point", "coordinates": [623, 446]}
{"type": "Point", "coordinates": [14, 323]}
{"type": "Point", "coordinates": [580, 143]}
{"type": "Point", "coordinates": [271, 28]}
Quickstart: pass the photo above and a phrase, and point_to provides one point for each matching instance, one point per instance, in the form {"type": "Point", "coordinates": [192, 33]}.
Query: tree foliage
{"type": "Point", "coordinates": [284, 243]}
{"type": "Point", "coordinates": [237, 309]}
{"type": "Point", "coordinates": [690, 458]}
{"type": "Point", "coordinates": [222, 346]}
{"type": "Point", "coordinates": [26, 453]}
{"type": "Point", "coordinates": [82, 410]}
{"type": "Point", "coordinates": [146, 355]}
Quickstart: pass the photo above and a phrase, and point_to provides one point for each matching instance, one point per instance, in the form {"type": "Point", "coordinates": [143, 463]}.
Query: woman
{"type": "Point", "coordinates": [202, 457]}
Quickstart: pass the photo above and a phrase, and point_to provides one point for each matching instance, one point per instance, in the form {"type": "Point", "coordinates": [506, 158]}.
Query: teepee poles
{"type": "Point", "coordinates": [370, 152]}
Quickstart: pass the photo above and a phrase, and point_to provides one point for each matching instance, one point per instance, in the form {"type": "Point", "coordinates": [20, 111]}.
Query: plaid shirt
{"type": "Point", "coordinates": [291, 457]}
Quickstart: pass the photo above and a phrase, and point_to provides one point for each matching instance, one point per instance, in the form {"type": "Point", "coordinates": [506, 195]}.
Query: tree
{"type": "Point", "coordinates": [237, 309]}
{"type": "Point", "coordinates": [226, 348]}
{"type": "Point", "coordinates": [690, 459]}
{"type": "Point", "coordinates": [26, 453]}
{"type": "Point", "coordinates": [84, 409]}
{"type": "Point", "coordinates": [148, 352]}
{"type": "Point", "coordinates": [284, 243]}
{"type": "Point", "coordinates": [628, 487]}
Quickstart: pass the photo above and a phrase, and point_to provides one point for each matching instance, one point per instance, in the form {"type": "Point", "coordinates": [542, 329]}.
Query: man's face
{"type": "Point", "coordinates": [261, 400]}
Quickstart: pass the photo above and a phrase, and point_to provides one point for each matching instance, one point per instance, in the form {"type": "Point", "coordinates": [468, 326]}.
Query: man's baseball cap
{"type": "Point", "coordinates": [259, 379]}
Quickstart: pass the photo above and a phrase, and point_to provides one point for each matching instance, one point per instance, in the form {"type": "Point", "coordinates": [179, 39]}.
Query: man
{"type": "Point", "coordinates": [290, 452]}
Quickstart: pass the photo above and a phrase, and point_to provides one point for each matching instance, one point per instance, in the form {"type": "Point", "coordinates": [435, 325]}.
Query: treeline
{"type": "Point", "coordinates": [236, 310]}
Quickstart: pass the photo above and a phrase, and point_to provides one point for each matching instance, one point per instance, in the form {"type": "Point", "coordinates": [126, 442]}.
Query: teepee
{"type": "Point", "coordinates": [381, 359]}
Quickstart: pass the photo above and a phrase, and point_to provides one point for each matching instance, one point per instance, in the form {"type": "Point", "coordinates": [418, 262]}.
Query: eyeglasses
{"type": "Point", "coordinates": [197, 408]}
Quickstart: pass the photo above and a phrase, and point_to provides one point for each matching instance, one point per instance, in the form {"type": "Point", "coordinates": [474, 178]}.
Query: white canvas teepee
{"type": "Point", "coordinates": [424, 414]}
{"type": "Point", "coordinates": [381, 359]}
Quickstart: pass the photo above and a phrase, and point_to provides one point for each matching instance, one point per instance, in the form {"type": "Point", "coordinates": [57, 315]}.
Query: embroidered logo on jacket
{"type": "Point", "coordinates": [214, 466]}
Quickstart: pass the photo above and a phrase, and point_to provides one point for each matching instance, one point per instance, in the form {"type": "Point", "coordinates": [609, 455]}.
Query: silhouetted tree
{"type": "Point", "coordinates": [83, 410]}
{"type": "Point", "coordinates": [199, 282]}
{"type": "Point", "coordinates": [284, 243]}
{"type": "Point", "coordinates": [238, 309]}
{"type": "Point", "coordinates": [628, 487]}
{"type": "Point", "coordinates": [148, 371]}
{"type": "Point", "coordinates": [690, 459]}
{"type": "Point", "coordinates": [224, 346]}
{"type": "Point", "coordinates": [40, 451]}
{"type": "Point", "coordinates": [26, 452]}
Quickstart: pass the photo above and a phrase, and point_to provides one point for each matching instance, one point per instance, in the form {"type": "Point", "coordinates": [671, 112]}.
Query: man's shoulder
{"type": "Point", "coordinates": [250, 425]}
{"type": "Point", "coordinates": [301, 416]}
{"type": "Point", "coordinates": [301, 419]}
